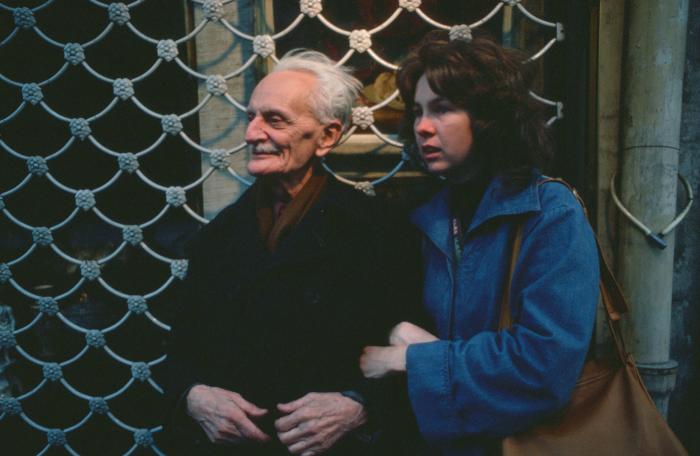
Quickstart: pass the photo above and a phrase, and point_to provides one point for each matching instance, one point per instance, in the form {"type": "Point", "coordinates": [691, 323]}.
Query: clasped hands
{"type": "Point", "coordinates": [311, 425]}
{"type": "Point", "coordinates": [378, 362]}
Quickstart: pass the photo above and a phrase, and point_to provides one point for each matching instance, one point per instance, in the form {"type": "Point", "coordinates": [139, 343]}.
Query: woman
{"type": "Point", "coordinates": [475, 125]}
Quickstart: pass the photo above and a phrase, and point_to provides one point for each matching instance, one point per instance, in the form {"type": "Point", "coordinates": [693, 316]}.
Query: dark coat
{"type": "Point", "coordinates": [274, 327]}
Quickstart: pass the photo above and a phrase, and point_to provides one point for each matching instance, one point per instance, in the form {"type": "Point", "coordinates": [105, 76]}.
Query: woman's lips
{"type": "Point", "coordinates": [430, 152]}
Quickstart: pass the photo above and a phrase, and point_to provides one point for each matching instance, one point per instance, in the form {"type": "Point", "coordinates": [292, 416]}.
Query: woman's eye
{"type": "Point", "coordinates": [442, 109]}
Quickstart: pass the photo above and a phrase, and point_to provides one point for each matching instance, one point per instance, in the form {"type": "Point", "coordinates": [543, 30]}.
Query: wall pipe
{"type": "Point", "coordinates": [653, 64]}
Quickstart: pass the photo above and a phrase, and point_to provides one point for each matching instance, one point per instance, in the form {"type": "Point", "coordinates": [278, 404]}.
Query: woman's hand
{"type": "Point", "coordinates": [406, 333]}
{"type": "Point", "coordinates": [378, 362]}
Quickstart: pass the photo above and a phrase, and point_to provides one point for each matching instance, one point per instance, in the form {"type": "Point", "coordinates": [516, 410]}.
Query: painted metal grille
{"type": "Point", "coordinates": [217, 160]}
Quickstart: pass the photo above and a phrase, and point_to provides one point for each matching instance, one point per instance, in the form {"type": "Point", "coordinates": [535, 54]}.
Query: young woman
{"type": "Point", "coordinates": [472, 122]}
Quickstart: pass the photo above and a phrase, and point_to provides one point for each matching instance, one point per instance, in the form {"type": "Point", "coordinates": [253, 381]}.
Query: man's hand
{"type": "Point", "coordinates": [378, 362]}
{"type": "Point", "coordinates": [224, 415]}
{"type": "Point", "coordinates": [314, 423]}
{"type": "Point", "coordinates": [406, 333]}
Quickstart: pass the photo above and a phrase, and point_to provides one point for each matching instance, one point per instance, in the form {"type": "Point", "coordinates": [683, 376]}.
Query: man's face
{"type": "Point", "coordinates": [283, 132]}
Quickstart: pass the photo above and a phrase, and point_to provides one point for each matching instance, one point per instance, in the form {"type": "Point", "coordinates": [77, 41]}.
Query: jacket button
{"type": "Point", "coordinates": [313, 297]}
{"type": "Point", "coordinates": [232, 292]}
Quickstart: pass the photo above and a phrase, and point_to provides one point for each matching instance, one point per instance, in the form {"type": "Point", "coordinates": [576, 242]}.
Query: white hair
{"type": "Point", "coordinates": [337, 87]}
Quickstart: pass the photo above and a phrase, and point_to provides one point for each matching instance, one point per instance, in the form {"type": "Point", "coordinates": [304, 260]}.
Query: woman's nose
{"type": "Point", "coordinates": [424, 127]}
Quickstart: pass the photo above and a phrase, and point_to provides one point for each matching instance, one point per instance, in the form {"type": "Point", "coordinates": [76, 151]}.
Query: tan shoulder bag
{"type": "Point", "coordinates": [610, 411]}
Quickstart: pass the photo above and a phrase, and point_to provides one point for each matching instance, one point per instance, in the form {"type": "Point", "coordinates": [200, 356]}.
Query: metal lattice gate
{"type": "Point", "coordinates": [119, 135]}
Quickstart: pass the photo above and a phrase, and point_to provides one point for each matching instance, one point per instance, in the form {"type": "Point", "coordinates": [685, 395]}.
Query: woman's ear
{"type": "Point", "coordinates": [332, 131]}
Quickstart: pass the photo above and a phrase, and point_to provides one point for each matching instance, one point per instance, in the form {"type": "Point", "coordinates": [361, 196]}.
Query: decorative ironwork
{"type": "Point", "coordinates": [124, 90]}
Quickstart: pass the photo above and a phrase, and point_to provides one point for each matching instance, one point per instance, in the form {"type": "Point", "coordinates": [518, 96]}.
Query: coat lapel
{"type": "Point", "coordinates": [501, 199]}
{"type": "Point", "coordinates": [241, 252]}
{"type": "Point", "coordinates": [433, 219]}
{"type": "Point", "coordinates": [317, 233]}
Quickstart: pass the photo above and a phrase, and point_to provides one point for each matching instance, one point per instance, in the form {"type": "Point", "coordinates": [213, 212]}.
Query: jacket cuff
{"type": "Point", "coordinates": [355, 396]}
{"type": "Point", "coordinates": [368, 432]}
{"type": "Point", "coordinates": [182, 421]}
{"type": "Point", "coordinates": [428, 372]}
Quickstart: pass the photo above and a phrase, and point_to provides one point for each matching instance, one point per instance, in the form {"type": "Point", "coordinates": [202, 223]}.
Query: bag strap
{"type": "Point", "coordinates": [505, 320]}
{"type": "Point", "coordinates": [614, 301]}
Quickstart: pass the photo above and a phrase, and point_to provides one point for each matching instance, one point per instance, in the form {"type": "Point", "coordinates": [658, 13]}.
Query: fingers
{"type": "Point", "coordinates": [250, 431]}
{"type": "Point", "coordinates": [317, 422]}
{"type": "Point", "coordinates": [209, 433]}
{"type": "Point", "coordinates": [292, 436]}
{"type": "Point", "coordinates": [295, 434]}
{"type": "Point", "coordinates": [288, 422]}
{"type": "Point", "coordinates": [300, 447]}
{"type": "Point", "coordinates": [248, 407]}
{"type": "Point", "coordinates": [221, 432]}
{"type": "Point", "coordinates": [311, 445]}
{"type": "Point", "coordinates": [406, 333]}
{"type": "Point", "coordinates": [239, 417]}
{"type": "Point", "coordinates": [224, 415]}
{"type": "Point", "coordinates": [399, 333]}
{"type": "Point", "coordinates": [308, 444]}
{"type": "Point", "coordinates": [290, 407]}
{"type": "Point", "coordinates": [368, 360]}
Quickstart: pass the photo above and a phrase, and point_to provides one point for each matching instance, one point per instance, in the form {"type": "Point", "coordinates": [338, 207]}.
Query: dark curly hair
{"type": "Point", "coordinates": [492, 85]}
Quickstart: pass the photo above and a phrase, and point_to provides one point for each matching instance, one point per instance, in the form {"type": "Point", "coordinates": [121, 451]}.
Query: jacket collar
{"type": "Point", "coordinates": [500, 199]}
{"type": "Point", "coordinates": [312, 237]}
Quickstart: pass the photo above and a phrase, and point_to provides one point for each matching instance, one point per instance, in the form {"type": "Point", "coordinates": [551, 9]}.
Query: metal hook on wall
{"type": "Point", "coordinates": [656, 239]}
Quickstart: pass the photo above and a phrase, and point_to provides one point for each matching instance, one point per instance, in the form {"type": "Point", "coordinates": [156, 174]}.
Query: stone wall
{"type": "Point", "coordinates": [684, 413]}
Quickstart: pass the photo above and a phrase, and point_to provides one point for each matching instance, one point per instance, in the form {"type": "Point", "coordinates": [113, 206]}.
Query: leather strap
{"type": "Point", "coordinates": [615, 304]}
{"type": "Point", "coordinates": [505, 320]}
{"type": "Point", "coordinates": [614, 301]}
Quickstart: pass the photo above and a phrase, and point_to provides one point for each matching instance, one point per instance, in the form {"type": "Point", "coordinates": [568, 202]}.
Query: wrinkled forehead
{"type": "Point", "coordinates": [284, 90]}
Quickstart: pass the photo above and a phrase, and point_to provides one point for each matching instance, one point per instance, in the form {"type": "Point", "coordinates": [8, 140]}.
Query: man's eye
{"type": "Point", "coordinates": [250, 116]}
{"type": "Point", "coordinates": [417, 112]}
{"type": "Point", "coordinates": [275, 120]}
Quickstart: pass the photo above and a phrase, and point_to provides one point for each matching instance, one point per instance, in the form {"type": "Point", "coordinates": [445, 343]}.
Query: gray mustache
{"type": "Point", "coordinates": [264, 149]}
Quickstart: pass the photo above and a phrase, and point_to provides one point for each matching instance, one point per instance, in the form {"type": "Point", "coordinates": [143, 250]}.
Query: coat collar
{"type": "Point", "coordinates": [238, 239]}
{"type": "Point", "coordinates": [500, 199]}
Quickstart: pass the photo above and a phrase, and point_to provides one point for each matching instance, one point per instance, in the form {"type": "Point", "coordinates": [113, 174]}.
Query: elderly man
{"type": "Point", "coordinates": [286, 287]}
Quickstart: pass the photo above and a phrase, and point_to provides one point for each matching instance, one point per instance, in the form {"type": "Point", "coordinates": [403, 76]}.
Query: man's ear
{"type": "Point", "coordinates": [332, 131]}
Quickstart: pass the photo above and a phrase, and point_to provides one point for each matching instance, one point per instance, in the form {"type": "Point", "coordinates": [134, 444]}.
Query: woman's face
{"type": "Point", "coordinates": [442, 130]}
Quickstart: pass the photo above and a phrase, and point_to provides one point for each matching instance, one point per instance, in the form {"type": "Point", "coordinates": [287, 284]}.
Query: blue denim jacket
{"type": "Point", "coordinates": [477, 383]}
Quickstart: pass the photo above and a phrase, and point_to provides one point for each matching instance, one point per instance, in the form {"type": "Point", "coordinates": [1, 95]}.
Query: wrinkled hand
{"type": "Point", "coordinates": [224, 415]}
{"type": "Point", "coordinates": [315, 422]}
{"type": "Point", "coordinates": [406, 333]}
{"type": "Point", "coordinates": [378, 362]}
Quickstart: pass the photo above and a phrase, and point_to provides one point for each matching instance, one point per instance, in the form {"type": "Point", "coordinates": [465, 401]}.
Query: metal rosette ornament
{"type": "Point", "coordinates": [126, 88]}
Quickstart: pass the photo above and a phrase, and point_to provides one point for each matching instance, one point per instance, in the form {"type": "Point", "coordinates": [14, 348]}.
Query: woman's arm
{"type": "Point", "coordinates": [499, 382]}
